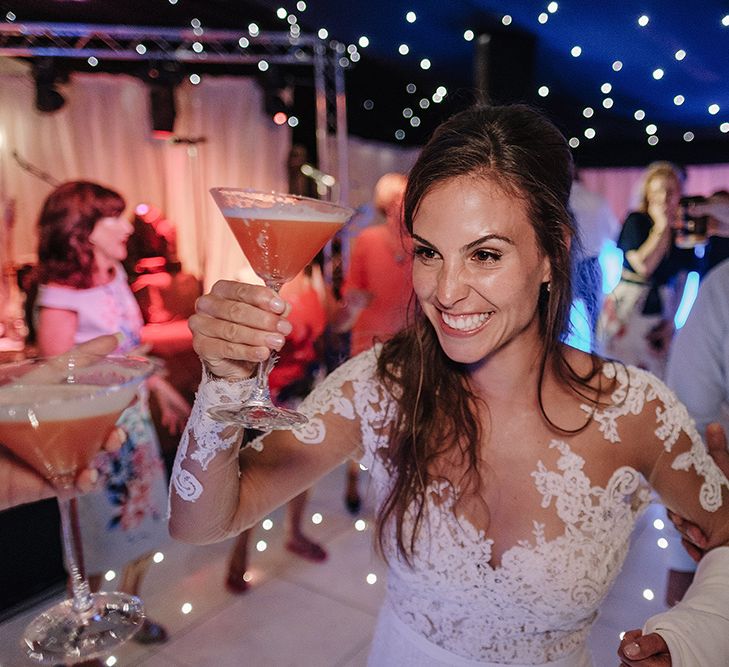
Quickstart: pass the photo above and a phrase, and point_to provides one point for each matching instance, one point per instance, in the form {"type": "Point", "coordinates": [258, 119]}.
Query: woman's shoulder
{"type": "Point", "coordinates": [621, 387]}
{"type": "Point", "coordinates": [349, 389]}
{"type": "Point", "coordinates": [644, 405]}
{"type": "Point", "coordinates": [56, 295]}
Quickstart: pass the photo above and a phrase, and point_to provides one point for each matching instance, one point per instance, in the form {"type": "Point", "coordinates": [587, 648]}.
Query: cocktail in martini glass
{"type": "Point", "coordinates": [279, 235]}
{"type": "Point", "coordinates": [55, 414]}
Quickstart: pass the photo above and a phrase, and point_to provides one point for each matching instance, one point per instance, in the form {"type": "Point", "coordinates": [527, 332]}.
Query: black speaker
{"type": "Point", "coordinates": [504, 66]}
{"type": "Point", "coordinates": [162, 109]}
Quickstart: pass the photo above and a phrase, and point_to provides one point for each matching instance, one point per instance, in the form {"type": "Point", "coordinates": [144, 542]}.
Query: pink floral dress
{"type": "Point", "coordinates": [127, 517]}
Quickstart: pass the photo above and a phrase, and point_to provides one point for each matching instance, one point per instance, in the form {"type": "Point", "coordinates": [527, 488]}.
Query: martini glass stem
{"type": "Point", "coordinates": [71, 544]}
{"type": "Point", "coordinates": [261, 392]}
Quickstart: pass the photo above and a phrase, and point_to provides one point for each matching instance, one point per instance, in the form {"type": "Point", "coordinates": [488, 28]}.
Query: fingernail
{"type": "Point", "coordinates": [275, 341]}
{"type": "Point", "coordinates": [284, 326]}
{"type": "Point", "coordinates": [277, 304]}
{"type": "Point", "coordinates": [632, 650]}
{"type": "Point", "coordinates": [94, 476]}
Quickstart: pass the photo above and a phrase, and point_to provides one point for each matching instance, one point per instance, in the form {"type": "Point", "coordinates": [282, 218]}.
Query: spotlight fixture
{"type": "Point", "coordinates": [45, 74]}
{"type": "Point", "coordinates": [162, 80]}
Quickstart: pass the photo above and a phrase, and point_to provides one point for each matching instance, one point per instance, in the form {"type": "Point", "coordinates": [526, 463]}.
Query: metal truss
{"type": "Point", "coordinates": [195, 46]}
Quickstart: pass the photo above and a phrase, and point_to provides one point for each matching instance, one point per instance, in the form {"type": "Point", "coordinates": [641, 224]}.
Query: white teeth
{"type": "Point", "coordinates": [464, 322]}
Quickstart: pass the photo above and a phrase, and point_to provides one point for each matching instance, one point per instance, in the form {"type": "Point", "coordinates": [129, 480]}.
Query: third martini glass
{"type": "Point", "coordinates": [55, 415]}
{"type": "Point", "coordinates": [279, 235]}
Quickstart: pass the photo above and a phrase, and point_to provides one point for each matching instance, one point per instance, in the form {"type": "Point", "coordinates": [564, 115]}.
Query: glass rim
{"type": "Point", "coordinates": [277, 193]}
{"type": "Point", "coordinates": [142, 364]}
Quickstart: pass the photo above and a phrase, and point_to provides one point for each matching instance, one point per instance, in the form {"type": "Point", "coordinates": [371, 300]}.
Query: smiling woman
{"type": "Point", "coordinates": [509, 469]}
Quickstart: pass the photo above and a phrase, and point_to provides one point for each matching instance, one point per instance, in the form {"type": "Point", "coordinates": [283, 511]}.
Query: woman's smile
{"type": "Point", "coordinates": [465, 324]}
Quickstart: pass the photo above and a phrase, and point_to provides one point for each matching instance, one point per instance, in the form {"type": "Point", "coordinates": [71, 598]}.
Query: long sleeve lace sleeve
{"type": "Point", "coordinates": [218, 489]}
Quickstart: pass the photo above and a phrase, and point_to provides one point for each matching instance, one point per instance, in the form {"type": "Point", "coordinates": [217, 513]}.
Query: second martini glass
{"type": "Point", "coordinates": [55, 415]}
{"type": "Point", "coordinates": [279, 235]}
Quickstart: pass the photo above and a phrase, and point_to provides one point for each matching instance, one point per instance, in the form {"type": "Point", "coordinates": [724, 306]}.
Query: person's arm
{"type": "Point", "coordinates": [679, 467]}
{"type": "Point", "coordinates": [174, 409]}
{"type": "Point", "coordinates": [692, 538]}
{"type": "Point", "coordinates": [718, 210]}
{"type": "Point", "coordinates": [218, 490]}
{"type": "Point", "coordinates": [644, 250]}
{"type": "Point", "coordinates": [56, 330]}
{"type": "Point", "coordinates": [355, 293]}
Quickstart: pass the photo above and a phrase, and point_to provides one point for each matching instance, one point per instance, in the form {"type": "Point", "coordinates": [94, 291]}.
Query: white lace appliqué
{"type": "Point", "coordinates": [636, 388]}
{"type": "Point", "coordinates": [208, 434]}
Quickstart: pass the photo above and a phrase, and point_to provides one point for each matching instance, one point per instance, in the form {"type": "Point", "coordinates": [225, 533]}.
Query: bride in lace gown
{"type": "Point", "coordinates": [509, 469]}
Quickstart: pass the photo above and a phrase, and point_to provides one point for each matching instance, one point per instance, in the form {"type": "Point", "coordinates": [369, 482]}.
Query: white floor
{"type": "Point", "coordinates": [318, 615]}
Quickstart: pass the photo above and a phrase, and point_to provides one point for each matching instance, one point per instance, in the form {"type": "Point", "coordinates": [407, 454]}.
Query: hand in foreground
{"type": "Point", "coordinates": [237, 325]}
{"type": "Point", "coordinates": [692, 538]}
{"type": "Point", "coordinates": [718, 210]}
{"type": "Point", "coordinates": [639, 650]}
{"type": "Point", "coordinates": [21, 484]}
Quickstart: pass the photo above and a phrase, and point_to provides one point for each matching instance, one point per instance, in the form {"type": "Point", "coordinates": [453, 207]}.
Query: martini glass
{"type": "Point", "coordinates": [279, 234]}
{"type": "Point", "coordinates": [55, 415]}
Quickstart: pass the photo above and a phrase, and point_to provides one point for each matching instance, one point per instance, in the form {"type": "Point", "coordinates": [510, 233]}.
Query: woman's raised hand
{"type": "Point", "coordinates": [236, 326]}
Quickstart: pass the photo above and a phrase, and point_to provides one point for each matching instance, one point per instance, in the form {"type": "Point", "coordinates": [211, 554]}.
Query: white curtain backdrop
{"type": "Point", "coordinates": [103, 133]}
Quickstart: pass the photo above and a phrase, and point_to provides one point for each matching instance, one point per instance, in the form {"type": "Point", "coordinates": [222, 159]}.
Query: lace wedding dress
{"type": "Point", "coordinates": [535, 604]}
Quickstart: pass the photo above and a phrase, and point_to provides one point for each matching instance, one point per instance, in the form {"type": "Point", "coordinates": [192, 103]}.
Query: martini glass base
{"type": "Point", "coordinates": [63, 636]}
{"type": "Point", "coordinates": [262, 417]}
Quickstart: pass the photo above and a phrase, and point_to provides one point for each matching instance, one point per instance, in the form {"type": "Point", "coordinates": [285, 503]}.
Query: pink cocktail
{"type": "Point", "coordinates": [279, 235]}
{"type": "Point", "coordinates": [55, 415]}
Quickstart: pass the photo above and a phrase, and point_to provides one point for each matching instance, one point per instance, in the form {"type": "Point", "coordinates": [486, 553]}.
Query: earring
{"type": "Point", "coordinates": [549, 286]}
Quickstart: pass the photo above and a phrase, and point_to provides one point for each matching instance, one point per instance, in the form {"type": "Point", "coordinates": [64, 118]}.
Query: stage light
{"type": "Point", "coordinates": [162, 79]}
{"type": "Point", "coordinates": [45, 74]}
{"type": "Point", "coordinates": [280, 118]}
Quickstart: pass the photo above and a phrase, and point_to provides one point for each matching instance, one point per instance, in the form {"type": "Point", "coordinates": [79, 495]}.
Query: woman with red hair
{"type": "Point", "coordinates": [84, 293]}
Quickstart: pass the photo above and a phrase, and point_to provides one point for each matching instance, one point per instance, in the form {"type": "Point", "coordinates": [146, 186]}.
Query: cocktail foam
{"type": "Point", "coordinates": [298, 213]}
{"type": "Point", "coordinates": [63, 402]}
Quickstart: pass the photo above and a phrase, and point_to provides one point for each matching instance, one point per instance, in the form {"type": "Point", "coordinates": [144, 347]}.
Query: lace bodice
{"type": "Point", "coordinates": [539, 602]}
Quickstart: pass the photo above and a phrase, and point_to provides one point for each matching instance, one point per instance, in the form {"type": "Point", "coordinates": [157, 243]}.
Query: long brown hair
{"type": "Point", "coordinates": [438, 413]}
{"type": "Point", "coordinates": [68, 216]}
